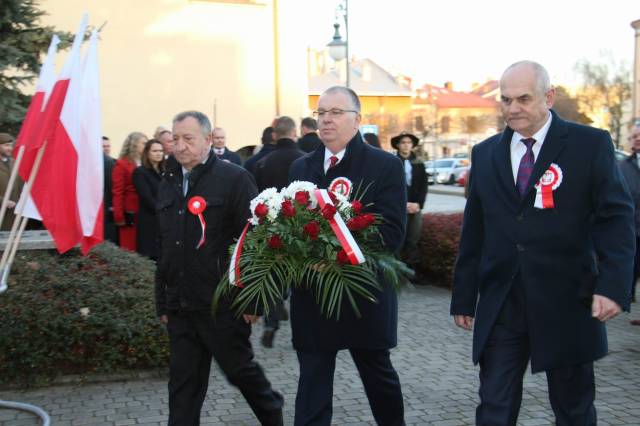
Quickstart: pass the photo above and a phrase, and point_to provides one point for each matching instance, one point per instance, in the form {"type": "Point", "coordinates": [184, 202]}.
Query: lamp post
{"type": "Point", "coordinates": [338, 48]}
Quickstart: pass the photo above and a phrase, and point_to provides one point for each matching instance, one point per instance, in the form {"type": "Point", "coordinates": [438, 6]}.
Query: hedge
{"type": "Point", "coordinates": [69, 314]}
{"type": "Point", "coordinates": [439, 247]}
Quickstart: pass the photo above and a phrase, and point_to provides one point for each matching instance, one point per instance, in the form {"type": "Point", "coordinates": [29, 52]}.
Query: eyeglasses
{"type": "Point", "coordinates": [333, 112]}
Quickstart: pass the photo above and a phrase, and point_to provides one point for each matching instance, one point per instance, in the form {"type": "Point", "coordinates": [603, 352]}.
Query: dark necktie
{"type": "Point", "coordinates": [333, 161]}
{"type": "Point", "coordinates": [526, 166]}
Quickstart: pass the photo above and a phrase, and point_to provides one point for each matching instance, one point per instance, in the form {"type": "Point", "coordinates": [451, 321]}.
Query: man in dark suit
{"type": "Point", "coordinates": [110, 230]}
{"type": "Point", "coordinates": [272, 171]}
{"type": "Point", "coordinates": [630, 168]}
{"type": "Point", "coordinates": [219, 137]}
{"type": "Point", "coordinates": [416, 179]}
{"type": "Point", "coordinates": [546, 253]}
{"type": "Point", "coordinates": [369, 337]}
{"type": "Point", "coordinates": [309, 131]}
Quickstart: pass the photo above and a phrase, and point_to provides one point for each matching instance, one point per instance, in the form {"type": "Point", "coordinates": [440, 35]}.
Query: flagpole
{"type": "Point", "coordinates": [10, 185]}
{"type": "Point", "coordinates": [5, 267]}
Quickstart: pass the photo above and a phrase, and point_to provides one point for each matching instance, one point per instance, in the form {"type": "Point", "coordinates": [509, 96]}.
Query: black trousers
{"type": "Point", "coordinates": [502, 367]}
{"type": "Point", "coordinates": [194, 338]}
{"type": "Point", "coordinates": [315, 387]}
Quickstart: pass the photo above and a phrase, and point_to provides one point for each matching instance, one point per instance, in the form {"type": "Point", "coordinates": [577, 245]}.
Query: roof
{"type": "Point", "coordinates": [446, 98]}
{"type": "Point", "coordinates": [486, 88]}
{"type": "Point", "coordinates": [367, 79]}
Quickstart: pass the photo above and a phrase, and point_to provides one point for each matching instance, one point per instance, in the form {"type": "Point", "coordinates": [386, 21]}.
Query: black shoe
{"type": "Point", "coordinates": [267, 338]}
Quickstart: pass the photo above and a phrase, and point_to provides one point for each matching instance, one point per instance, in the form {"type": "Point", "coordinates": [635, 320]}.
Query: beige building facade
{"type": "Point", "coordinates": [241, 62]}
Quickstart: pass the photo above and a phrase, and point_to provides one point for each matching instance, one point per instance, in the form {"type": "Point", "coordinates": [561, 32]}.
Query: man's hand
{"type": "Point", "coordinates": [463, 321]}
{"type": "Point", "coordinates": [413, 208]}
{"type": "Point", "coordinates": [164, 319]}
{"type": "Point", "coordinates": [250, 319]}
{"type": "Point", "coordinates": [604, 308]}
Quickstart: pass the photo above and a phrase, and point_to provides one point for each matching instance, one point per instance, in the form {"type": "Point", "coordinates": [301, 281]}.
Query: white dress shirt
{"type": "Point", "coordinates": [327, 158]}
{"type": "Point", "coordinates": [518, 148]}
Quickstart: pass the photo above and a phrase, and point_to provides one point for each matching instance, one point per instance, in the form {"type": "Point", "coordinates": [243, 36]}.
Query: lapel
{"type": "Point", "coordinates": [315, 163]}
{"type": "Point", "coordinates": [553, 144]}
{"type": "Point", "coordinates": [502, 163]}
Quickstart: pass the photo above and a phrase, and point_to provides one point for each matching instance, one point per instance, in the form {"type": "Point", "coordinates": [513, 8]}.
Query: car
{"type": "Point", "coordinates": [445, 170]}
{"type": "Point", "coordinates": [621, 155]}
{"type": "Point", "coordinates": [462, 178]}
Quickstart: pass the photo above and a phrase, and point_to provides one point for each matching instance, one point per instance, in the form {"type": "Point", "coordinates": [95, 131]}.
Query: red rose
{"type": "Point", "coordinates": [261, 210]}
{"type": "Point", "coordinates": [333, 197]}
{"type": "Point", "coordinates": [275, 242]}
{"type": "Point", "coordinates": [312, 229]}
{"type": "Point", "coordinates": [342, 257]}
{"type": "Point", "coordinates": [328, 211]}
{"type": "Point", "coordinates": [287, 208]}
{"type": "Point", "coordinates": [355, 224]}
{"type": "Point", "coordinates": [356, 206]}
{"type": "Point", "coordinates": [302, 197]}
{"type": "Point", "coordinates": [368, 219]}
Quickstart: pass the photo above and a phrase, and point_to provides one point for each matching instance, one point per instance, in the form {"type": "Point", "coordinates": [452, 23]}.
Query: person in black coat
{"type": "Point", "coordinates": [369, 337]}
{"type": "Point", "coordinates": [146, 179]}
{"type": "Point", "coordinates": [309, 131]}
{"type": "Point", "coordinates": [630, 168]}
{"type": "Point", "coordinates": [268, 145]}
{"type": "Point", "coordinates": [190, 268]}
{"type": "Point", "coordinates": [272, 171]}
{"type": "Point", "coordinates": [219, 137]}
{"type": "Point", "coordinates": [110, 230]}
{"type": "Point", "coordinates": [546, 253]}
{"type": "Point", "coordinates": [416, 179]}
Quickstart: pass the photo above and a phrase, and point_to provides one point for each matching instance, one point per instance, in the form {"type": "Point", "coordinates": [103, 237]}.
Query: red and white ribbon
{"type": "Point", "coordinates": [196, 206]}
{"type": "Point", "coordinates": [549, 182]}
{"type": "Point", "coordinates": [343, 234]}
{"type": "Point", "coordinates": [234, 267]}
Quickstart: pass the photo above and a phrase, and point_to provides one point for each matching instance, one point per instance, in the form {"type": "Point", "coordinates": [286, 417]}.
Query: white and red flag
{"type": "Point", "coordinates": [70, 168]}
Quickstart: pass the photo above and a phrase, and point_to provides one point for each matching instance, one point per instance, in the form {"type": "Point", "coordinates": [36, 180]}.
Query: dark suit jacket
{"type": "Point", "coordinates": [110, 230]}
{"type": "Point", "coordinates": [552, 250]}
{"type": "Point", "coordinates": [382, 174]}
{"type": "Point", "coordinates": [146, 182]}
{"type": "Point", "coordinates": [251, 162]}
{"type": "Point", "coordinates": [273, 170]}
{"type": "Point", "coordinates": [417, 192]}
{"type": "Point", "coordinates": [230, 156]}
{"type": "Point", "coordinates": [309, 142]}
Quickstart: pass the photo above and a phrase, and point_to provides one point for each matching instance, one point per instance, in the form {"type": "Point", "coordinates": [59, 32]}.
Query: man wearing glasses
{"type": "Point", "coordinates": [370, 336]}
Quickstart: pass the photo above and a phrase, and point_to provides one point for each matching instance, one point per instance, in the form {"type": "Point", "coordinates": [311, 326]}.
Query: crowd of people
{"type": "Point", "coordinates": [546, 254]}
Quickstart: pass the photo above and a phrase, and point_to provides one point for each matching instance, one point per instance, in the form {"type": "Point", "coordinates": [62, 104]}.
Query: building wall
{"type": "Point", "coordinates": [160, 57]}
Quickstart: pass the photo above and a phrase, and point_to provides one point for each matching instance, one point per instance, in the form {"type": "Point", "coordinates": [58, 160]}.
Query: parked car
{"type": "Point", "coordinates": [446, 170]}
{"type": "Point", "coordinates": [462, 177]}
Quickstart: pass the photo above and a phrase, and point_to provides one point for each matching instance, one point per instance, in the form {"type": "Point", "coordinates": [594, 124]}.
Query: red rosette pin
{"type": "Point", "coordinates": [197, 206]}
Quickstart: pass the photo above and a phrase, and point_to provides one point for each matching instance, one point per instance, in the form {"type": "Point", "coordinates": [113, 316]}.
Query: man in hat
{"type": "Point", "coordinates": [416, 179]}
{"type": "Point", "coordinates": [6, 165]}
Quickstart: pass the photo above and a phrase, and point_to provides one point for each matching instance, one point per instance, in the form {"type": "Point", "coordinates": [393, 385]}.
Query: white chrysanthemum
{"type": "Point", "coordinates": [301, 185]}
{"type": "Point", "coordinates": [263, 198]}
{"type": "Point", "coordinates": [275, 204]}
{"type": "Point", "coordinates": [343, 204]}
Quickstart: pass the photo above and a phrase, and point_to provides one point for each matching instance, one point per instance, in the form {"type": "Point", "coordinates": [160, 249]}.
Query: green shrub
{"type": "Point", "coordinates": [69, 314]}
{"type": "Point", "coordinates": [439, 246]}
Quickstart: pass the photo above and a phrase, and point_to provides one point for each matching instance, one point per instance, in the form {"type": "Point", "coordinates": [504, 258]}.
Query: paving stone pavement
{"type": "Point", "coordinates": [438, 380]}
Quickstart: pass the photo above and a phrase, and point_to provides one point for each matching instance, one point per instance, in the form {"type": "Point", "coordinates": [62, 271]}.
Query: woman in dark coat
{"type": "Point", "coordinates": [125, 197]}
{"type": "Point", "coordinates": [146, 179]}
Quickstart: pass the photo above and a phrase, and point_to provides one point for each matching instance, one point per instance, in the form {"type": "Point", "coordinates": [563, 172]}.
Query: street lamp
{"type": "Point", "coordinates": [338, 48]}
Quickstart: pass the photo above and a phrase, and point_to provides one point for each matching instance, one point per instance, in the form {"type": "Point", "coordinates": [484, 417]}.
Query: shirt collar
{"type": "Point", "coordinates": [328, 154]}
{"type": "Point", "coordinates": [539, 136]}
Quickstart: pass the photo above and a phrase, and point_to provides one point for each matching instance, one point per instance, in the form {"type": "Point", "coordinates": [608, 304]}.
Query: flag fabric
{"type": "Point", "coordinates": [55, 188]}
{"type": "Point", "coordinates": [90, 172]}
{"type": "Point", "coordinates": [31, 125]}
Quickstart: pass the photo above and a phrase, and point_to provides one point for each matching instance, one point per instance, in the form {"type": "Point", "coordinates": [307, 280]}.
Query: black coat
{"type": "Point", "coordinates": [309, 142]}
{"type": "Point", "coordinates": [273, 170]}
{"type": "Point", "coordinates": [187, 276]}
{"type": "Point", "coordinates": [631, 172]}
{"type": "Point", "coordinates": [146, 182]}
{"type": "Point", "coordinates": [110, 230]}
{"type": "Point", "coordinates": [382, 174]}
{"type": "Point", "coordinates": [552, 250]}
{"type": "Point", "coordinates": [251, 162]}
{"type": "Point", "coordinates": [417, 192]}
{"type": "Point", "coordinates": [230, 156]}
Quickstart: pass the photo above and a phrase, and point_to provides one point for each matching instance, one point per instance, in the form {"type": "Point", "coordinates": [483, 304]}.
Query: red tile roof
{"type": "Point", "coordinates": [445, 98]}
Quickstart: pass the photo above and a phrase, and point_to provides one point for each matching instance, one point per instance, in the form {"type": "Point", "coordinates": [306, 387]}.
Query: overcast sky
{"type": "Point", "coordinates": [468, 41]}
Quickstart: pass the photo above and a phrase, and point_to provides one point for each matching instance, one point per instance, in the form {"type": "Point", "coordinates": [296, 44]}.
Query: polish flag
{"type": "Point", "coordinates": [55, 187]}
{"type": "Point", "coordinates": [90, 171]}
{"type": "Point", "coordinates": [32, 124]}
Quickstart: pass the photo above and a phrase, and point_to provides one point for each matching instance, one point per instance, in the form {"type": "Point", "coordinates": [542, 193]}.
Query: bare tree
{"type": "Point", "coordinates": [605, 90]}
